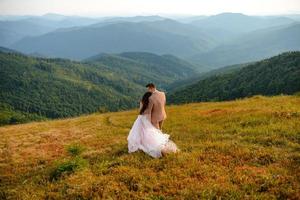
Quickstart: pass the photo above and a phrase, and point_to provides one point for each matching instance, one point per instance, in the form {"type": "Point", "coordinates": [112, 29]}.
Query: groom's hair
{"type": "Point", "coordinates": [150, 85]}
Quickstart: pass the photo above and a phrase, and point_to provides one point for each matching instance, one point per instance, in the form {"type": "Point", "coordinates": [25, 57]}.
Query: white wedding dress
{"type": "Point", "coordinates": [146, 137]}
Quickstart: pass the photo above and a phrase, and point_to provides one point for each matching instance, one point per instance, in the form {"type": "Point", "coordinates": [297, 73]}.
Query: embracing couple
{"type": "Point", "coordinates": [146, 133]}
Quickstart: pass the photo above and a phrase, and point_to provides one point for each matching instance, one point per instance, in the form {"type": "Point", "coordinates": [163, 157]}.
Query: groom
{"type": "Point", "coordinates": [156, 107]}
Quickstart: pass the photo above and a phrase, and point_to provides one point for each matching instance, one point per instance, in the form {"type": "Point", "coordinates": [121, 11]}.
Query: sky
{"type": "Point", "coordinates": [148, 7]}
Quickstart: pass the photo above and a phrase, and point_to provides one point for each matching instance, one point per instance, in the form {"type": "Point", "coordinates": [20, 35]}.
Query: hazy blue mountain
{"type": "Point", "coordinates": [12, 31]}
{"type": "Point", "coordinates": [253, 46]}
{"type": "Point", "coordinates": [203, 41]}
{"type": "Point", "coordinates": [133, 19]}
{"type": "Point", "coordinates": [28, 26]}
{"type": "Point", "coordinates": [82, 42]}
{"type": "Point", "coordinates": [54, 16]}
{"type": "Point", "coordinates": [227, 26]}
{"type": "Point", "coordinates": [240, 23]}
{"type": "Point", "coordinates": [273, 76]}
{"type": "Point", "coordinates": [100, 22]}
{"type": "Point", "coordinates": [200, 37]}
{"type": "Point", "coordinates": [294, 17]}
{"type": "Point", "coordinates": [188, 19]}
{"type": "Point", "coordinates": [66, 22]}
{"type": "Point", "coordinates": [14, 17]}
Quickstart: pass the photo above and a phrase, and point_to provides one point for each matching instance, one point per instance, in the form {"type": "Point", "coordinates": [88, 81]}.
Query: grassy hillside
{"type": "Point", "coordinates": [245, 149]}
{"type": "Point", "coordinates": [273, 76]}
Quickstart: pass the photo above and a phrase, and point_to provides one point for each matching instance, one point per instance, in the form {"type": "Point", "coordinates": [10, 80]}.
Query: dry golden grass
{"type": "Point", "coordinates": [244, 149]}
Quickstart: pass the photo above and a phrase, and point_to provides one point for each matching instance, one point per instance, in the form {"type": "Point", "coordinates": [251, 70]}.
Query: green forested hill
{"type": "Point", "coordinates": [279, 74]}
{"type": "Point", "coordinates": [37, 88]}
{"type": "Point", "coordinates": [142, 67]}
{"type": "Point", "coordinates": [60, 88]}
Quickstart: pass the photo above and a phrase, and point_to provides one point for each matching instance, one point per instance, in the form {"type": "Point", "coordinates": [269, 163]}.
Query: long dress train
{"type": "Point", "coordinates": [146, 137]}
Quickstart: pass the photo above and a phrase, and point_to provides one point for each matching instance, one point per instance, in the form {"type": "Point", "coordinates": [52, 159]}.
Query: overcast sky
{"type": "Point", "coordinates": [146, 7]}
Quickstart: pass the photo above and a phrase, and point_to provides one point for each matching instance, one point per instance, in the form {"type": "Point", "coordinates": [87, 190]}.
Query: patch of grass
{"type": "Point", "coordinates": [75, 149]}
{"type": "Point", "coordinates": [67, 167]}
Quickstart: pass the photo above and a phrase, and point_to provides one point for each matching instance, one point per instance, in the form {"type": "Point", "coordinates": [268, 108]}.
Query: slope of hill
{"type": "Point", "coordinates": [245, 149]}
{"type": "Point", "coordinates": [279, 74]}
{"type": "Point", "coordinates": [55, 88]}
{"type": "Point", "coordinates": [253, 46]}
{"type": "Point", "coordinates": [120, 37]}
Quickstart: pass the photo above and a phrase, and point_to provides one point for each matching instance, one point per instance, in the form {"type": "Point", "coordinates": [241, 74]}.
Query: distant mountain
{"type": "Point", "coordinates": [64, 22]}
{"type": "Point", "coordinates": [149, 18]}
{"type": "Point", "coordinates": [38, 88]}
{"type": "Point", "coordinates": [161, 37]}
{"type": "Point", "coordinates": [208, 41]}
{"type": "Point", "coordinates": [14, 30]}
{"type": "Point", "coordinates": [279, 74]}
{"type": "Point", "coordinates": [53, 16]}
{"type": "Point", "coordinates": [253, 46]}
{"type": "Point", "coordinates": [14, 17]}
{"type": "Point", "coordinates": [200, 37]}
{"type": "Point", "coordinates": [294, 17]}
{"type": "Point", "coordinates": [240, 23]}
{"type": "Point", "coordinates": [226, 26]}
{"type": "Point", "coordinates": [189, 19]}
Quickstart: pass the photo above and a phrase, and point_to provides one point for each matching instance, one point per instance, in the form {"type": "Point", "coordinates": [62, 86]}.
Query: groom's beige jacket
{"type": "Point", "coordinates": [156, 107]}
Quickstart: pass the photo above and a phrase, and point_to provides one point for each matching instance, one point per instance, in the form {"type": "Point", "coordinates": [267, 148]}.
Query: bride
{"type": "Point", "coordinates": [146, 137]}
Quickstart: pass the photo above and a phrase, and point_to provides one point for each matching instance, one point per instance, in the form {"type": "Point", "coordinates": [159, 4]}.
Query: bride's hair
{"type": "Point", "coordinates": [145, 102]}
